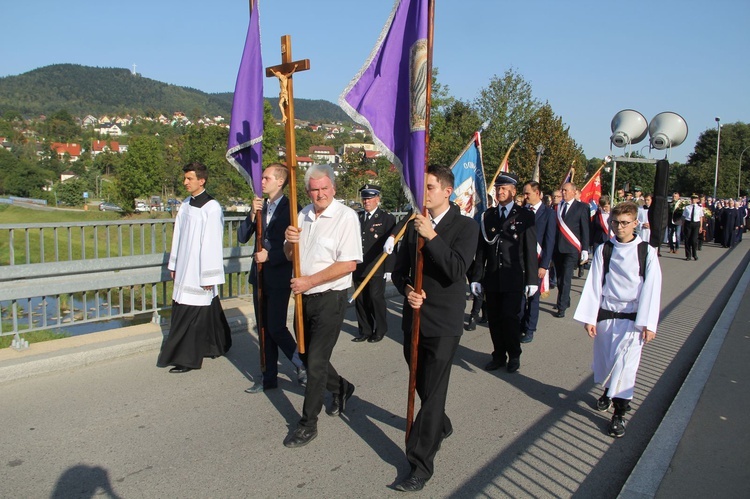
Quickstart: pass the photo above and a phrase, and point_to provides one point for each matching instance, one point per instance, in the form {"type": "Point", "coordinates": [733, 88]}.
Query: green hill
{"type": "Point", "coordinates": [83, 90]}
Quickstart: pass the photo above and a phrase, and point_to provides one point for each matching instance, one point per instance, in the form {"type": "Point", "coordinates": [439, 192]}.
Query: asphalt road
{"type": "Point", "coordinates": [125, 428]}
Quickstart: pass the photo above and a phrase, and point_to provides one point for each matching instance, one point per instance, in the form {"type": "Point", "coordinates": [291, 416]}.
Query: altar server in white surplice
{"type": "Point", "coordinates": [620, 310]}
{"type": "Point", "coordinates": [198, 327]}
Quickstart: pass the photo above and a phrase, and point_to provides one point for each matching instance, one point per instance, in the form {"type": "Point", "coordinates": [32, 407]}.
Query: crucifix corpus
{"type": "Point", "coordinates": [284, 72]}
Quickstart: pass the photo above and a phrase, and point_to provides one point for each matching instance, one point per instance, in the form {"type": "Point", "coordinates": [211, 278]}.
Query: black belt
{"type": "Point", "coordinates": [604, 315]}
{"type": "Point", "coordinates": [314, 295]}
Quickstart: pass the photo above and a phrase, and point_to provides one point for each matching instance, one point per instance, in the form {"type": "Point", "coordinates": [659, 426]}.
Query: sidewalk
{"type": "Point", "coordinates": [702, 447]}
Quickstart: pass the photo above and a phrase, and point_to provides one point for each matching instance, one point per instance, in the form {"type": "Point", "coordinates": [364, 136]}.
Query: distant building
{"type": "Point", "coordinates": [324, 154]}
{"type": "Point", "coordinates": [100, 146]}
{"type": "Point", "coordinates": [109, 129]}
{"type": "Point", "coordinates": [67, 175]}
{"type": "Point", "coordinates": [73, 150]}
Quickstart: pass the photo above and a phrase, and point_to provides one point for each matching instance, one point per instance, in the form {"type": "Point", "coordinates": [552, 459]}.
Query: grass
{"type": "Point", "coordinates": [34, 337]}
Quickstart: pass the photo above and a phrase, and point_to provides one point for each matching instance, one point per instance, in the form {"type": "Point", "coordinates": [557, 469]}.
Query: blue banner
{"type": "Point", "coordinates": [469, 190]}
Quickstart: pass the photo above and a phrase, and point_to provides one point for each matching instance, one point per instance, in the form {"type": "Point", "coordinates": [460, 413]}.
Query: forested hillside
{"type": "Point", "coordinates": [83, 90]}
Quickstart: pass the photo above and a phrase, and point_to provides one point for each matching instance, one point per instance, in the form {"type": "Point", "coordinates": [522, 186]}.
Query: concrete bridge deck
{"type": "Point", "coordinates": [94, 416]}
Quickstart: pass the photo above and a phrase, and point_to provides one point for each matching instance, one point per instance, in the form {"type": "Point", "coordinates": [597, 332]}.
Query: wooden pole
{"type": "Point", "coordinates": [504, 161]}
{"type": "Point", "coordinates": [284, 72]}
{"type": "Point", "coordinates": [414, 351]}
{"type": "Point", "coordinates": [259, 290]}
{"type": "Point", "coordinates": [379, 262]}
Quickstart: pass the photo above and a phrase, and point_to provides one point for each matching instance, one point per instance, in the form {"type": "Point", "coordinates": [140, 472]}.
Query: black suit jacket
{"type": "Point", "coordinates": [506, 253]}
{"type": "Point", "coordinates": [598, 234]}
{"type": "Point", "coordinates": [446, 260]}
{"type": "Point", "coordinates": [577, 219]}
{"type": "Point", "coordinates": [546, 230]}
{"type": "Point", "coordinates": [374, 234]}
{"type": "Point", "coordinates": [277, 270]}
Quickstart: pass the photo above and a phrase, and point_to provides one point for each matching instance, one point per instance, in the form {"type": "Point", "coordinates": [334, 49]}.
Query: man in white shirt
{"type": "Point", "coordinates": [198, 327]}
{"type": "Point", "coordinates": [691, 226]}
{"type": "Point", "coordinates": [330, 248]}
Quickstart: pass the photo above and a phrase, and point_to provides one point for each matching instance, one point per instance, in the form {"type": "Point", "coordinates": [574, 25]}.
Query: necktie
{"type": "Point", "coordinates": [367, 217]}
{"type": "Point", "coordinates": [692, 214]}
{"type": "Point", "coordinates": [503, 214]}
{"type": "Point", "coordinates": [565, 209]}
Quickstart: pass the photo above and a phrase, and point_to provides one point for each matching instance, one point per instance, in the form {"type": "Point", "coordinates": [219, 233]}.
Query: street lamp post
{"type": "Point", "coordinates": [739, 172]}
{"type": "Point", "coordinates": [718, 142]}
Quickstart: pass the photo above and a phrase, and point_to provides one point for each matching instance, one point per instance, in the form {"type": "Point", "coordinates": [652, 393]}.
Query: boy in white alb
{"type": "Point", "coordinates": [619, 307]}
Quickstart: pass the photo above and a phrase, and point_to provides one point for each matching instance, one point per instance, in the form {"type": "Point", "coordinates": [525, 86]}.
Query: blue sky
{"type": "Point", "coordinates": [589, 59]}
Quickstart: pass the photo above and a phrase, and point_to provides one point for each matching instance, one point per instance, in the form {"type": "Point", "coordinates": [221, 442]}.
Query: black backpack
{"type": "Point", "coordinates": [607, 255]}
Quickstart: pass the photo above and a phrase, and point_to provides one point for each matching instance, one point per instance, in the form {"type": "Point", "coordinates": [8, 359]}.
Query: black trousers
{"type": "Point", "coordinates": [691, 230]}
{"type": "Point", "coordinates": [564, 263]}
{"type": "Point", "coordinates": [277, 335]}
{"type": "Point", "coordinates": [505, 325]}
{"type": "Point", "coordinates": [370, 306]}
{"type": "Point", "coordinates": [323, 317]}
{"type": "Point", "coordinates": [434, 361]}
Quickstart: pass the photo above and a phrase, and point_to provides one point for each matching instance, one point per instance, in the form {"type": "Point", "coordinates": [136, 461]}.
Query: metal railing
{"type": "Point", "coordinates": [65, 274]}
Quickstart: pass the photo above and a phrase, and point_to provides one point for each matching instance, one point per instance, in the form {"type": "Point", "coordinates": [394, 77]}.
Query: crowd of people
{"type": "Point", "coordinates": [526, 244]}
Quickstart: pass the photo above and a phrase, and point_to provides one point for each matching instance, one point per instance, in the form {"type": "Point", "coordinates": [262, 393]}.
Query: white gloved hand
{"type": "Point", "coordinates": [531, 291]}
{"type": "Point", "coordinates": [476, 288]}
{"type": "Point", "coordinates": [387, 277]}
{"type": "Point", "coordinates": [389, 245]}
{"type": "Point", "coordinates": [584, 256]}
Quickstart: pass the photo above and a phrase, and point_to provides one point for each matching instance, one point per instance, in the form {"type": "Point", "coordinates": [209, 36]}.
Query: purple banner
{"type": "Point", "coordinates": [389, 94]}
{"type": "Point", "coordinates": [245, 150]}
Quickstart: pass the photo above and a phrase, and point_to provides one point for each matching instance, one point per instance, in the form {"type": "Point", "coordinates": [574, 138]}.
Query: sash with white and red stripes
{"type": "Point", "coordinates": [544, 285]}
{"type": "Point", "coordinates": [566, 232]}
{"type": "Point", "coordinates": [605, 226]}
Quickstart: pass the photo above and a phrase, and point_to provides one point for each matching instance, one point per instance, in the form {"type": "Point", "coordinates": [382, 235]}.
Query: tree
{"type": "Point", "coordinates": [61, 127]}
{"type": "Point", "coordinates": [450, 131]}
{"type": "Point", "coordinates": [508, 102]}
{"type": "Point", "coordinates": [560, 151]}
{"type": "Point", "coordinates": [698, 174]}
{"type": "Point", "coordinates": [142, 171]}
{"type": "Point", "coordinates": [71, 191]}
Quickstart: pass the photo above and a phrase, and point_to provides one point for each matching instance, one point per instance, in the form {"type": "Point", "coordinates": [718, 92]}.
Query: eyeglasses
{"type": "Point", "coordinates": [621, 223]}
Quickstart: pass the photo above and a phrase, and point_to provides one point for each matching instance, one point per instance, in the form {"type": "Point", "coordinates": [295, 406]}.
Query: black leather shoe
{"type": "Point", "coordinates": [527, 337]}
{"type": "Point", "coordinates": [300, 437]}
{"type": "Point", "coordinates": [483, 320]}
{"type": "Point", "coordinates": [514, 364]}
{"type": "Point", "coordinates": [472, 325]}
{"type": "Point", "coordinates": [411, 484]}
{"type": "Point", "coordinates": [495, 364]}
{"type": "Point", "coordinates": [375, 338]}
{"type": "Point", "coordinates": [338, 404]}
{"type": "Point", "coordinates": [262, 387]}
{"type": "Point", "coordinates": [180, 369]}
{"type": "Point", "coordinates": [360, 339]}
{"type": "Point", "coordinates": [560, 314]}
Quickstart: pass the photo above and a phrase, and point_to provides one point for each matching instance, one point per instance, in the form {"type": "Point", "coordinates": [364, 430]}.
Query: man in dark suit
{"type": "Point", "coordinates": [546, 228]}
{"type": "Point", "coordinates": [674, 223]}
{"type": "Point", "coordinates": [450, 241]}
{"type": "Point", "coordinates": [571, 244]}
{"type": "Point", "coordinates": [376, 226]}
{"type": "Point", "coordinates": [277, 272]}
{"type": "Point", "coordinates": [507, 265]}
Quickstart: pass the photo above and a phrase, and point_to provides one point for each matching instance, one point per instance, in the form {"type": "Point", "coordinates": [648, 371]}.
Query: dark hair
{"type": "Point", "coordinates": [534, 185]}
{"type": "Point", "coordinates": [201, 172]}
{"type": "Point", "coordinates": [603, 201]}
{"type": "Point", "coordinates": [443, 174]}
{"type": "Point", "coordinates": [625, 208]}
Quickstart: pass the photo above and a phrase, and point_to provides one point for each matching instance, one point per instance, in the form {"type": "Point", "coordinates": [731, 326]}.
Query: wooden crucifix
{"type": "Point", "coordinates": [284, 72]}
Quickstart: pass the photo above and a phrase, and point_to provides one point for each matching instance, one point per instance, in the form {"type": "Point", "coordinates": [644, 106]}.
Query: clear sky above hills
{"type": "Point", "coordinates": [589, 59]}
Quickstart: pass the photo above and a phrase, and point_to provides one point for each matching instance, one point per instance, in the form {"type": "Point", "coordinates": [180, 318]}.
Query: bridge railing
{"type": "Point", "coordinates": [64, 274]}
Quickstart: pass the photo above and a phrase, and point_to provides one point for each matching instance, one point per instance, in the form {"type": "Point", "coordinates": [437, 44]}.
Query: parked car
{"type": "Point", "coordinates": [107, 206]}
{"type": "Point", "coordinates": [141, 207]}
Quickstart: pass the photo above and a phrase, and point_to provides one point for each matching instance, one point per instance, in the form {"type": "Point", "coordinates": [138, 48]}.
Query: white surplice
{"type": "Point", "coordinates": [197, 256]}
{"type": "Point", "coordinates": [618, 342]}
{"type": "Point", "coordinates": [644, 234]}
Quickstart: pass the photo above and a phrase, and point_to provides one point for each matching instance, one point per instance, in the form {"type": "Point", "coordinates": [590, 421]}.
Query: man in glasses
{"type": "Point", "coordinates": [619, 308]}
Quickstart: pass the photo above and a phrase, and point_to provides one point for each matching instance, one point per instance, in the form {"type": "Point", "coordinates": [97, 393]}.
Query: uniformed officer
{"type": "Point", "coordinates": [506, 268]}
{"type": "Point", "coordinates": [376, 225]}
